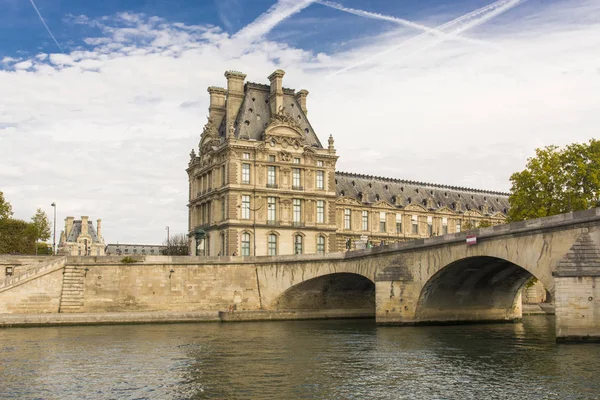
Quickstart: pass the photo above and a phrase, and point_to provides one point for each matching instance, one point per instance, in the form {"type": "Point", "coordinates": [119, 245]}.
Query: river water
{"type": "Point", "coordinates": [342, 359]}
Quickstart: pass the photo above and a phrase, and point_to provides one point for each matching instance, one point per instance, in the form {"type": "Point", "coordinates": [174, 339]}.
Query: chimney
{"type": "Point", "coordinates": [301, 98]}
{"type": "Point", "coordinates": [235, 96]}
{"type": "Point", "coordinates": [99, 228]}
{"type": "Point", "coordinates": [68, 226]}
{"type": "Point", "coordinates": [84, 225]}
{"type": "Point", "coordinates": [216, 110]}
{"type": "Point", "coordinates": [276, 95]}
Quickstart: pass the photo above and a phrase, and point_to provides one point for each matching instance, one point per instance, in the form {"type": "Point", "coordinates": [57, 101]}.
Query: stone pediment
{"type": "Point", "coordinates": [473, 213]}
{"type": "Point", "coordinates": [383, 204]}
{"type": "Point", "coordinates": [498, 214]}
{"type": "Point", "coordinates": [415, 207]}
{"type": "Point", "coordinates": [348, 201]}
{"type": "Point", "coordinates": [445, 210]}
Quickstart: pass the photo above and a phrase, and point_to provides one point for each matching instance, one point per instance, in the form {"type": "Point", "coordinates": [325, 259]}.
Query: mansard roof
{"type": "Point", "coordinates": [76, 231]}
{"type": "Point", "coordinates": [399, 192]}
{"type": "Point", "coordinates": [255, 114]}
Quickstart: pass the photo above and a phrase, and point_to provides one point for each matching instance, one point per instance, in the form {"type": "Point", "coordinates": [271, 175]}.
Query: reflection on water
{"type": "Point", "coordinates": [296, 360]}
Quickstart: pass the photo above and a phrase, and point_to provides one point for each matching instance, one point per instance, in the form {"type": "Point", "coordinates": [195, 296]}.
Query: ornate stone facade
{"type": "Point", "coordinates": [263, 184]}
{"type": "Point", "coordinates": [80, 238]}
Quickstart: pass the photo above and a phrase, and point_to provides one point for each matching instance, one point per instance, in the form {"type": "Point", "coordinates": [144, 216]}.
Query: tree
{"type": "Point", "coordinates": [16, 236]}
{"type": "Point", "coordinates": [5, 208]}
{"type": "Point", "coordinates": [177, 245]}
{"type": "Point", "coordinates": [556, 181]}
{"type": "Point", "coordinates": [41, 225]}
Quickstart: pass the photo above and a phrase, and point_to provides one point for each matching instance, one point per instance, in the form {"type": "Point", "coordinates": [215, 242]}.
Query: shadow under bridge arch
{"type": "Point", "coordinates": [473, 289]}
{"type": "Point", "coordinates": [339, 291]}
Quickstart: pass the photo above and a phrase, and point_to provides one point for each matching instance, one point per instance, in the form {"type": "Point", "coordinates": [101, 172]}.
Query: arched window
{"type": "Point", "coordinates": [245, 244]}
{"type": "Point", "coordinates": [298, 244]}
{"type": "Point", "coordinates": [272, 242]}
{"type": "Point", "coordinates": [321, 244]}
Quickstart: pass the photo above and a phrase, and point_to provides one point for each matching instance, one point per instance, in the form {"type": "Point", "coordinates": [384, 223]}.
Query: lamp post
{"type": "Point", "coordinates": [168, 241]}
{"type": "Point", "coordinates": [54, 235]}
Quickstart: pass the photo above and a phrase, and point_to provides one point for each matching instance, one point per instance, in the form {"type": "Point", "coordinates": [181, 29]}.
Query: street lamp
{"type": "Point", "coordinates": [54, 236]}
{"type": "Point", "coordinates": [168, 241]}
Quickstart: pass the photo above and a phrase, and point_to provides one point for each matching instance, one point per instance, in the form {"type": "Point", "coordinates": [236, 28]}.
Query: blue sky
{"type": "Point", "coordinates": [457, 92]}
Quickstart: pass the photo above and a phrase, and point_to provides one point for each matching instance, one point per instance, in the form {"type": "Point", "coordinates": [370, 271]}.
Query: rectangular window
{"type": "Point", "coordinates": [296, 161]}
{"type": "Point", "coordinates": [209, 177]}
{"type": "Point", "coordinates": [223, 203]}
{"type": "Point", "coordinates": [245, 207]}
{"type": "Point", "coordinates": [319, 163]}
{"type": "Point", "coordinates": [457, 225]}
{"type": "Point", "coordinates": [296, 178]}
{"type": "Point", "coordinates": [415, 224]}
{"type": "Point", "coordinates": [429, 226]}
{"type": "Point", "coordinates": [271, 158]}
{"type": "Point", "coordinates": [347, 215]}
{"type": "Point", "coordinates": [320, 180]}
{"type": "Point", "coordinates": [245, 244]}
{"type": "Point", "coordinates": [320, 244]}
{"type": "Point", "coordinates": [297, 210]}
{"type": "Point", "coordinates": [365, 220]}
{"type": "Point", "coordinates": [245, 173]}
{"type": "Point", "coordinates": [298, 244]}
{"type": "Point", "coordinates": [320, 211]}
{"type": "Point", "coordinates": [382, 221]}
{"type": "Point", "coordinates": [271, 209]}
{"type": "Point", "coordinates": [246, 156]}
{"type": "Point", "coordinates": [398, 223]}
{"type": "Point", "coordinates": [272, 250]}
{"type": "Point", "coordinates": [223, 180]}
{"type": "Point", "coordinates": [444, 226]}
{"type": "Point", "coordinates": [271, 177]}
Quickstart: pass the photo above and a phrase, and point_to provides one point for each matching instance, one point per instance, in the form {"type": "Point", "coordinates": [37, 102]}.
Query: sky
{"type": "Point", "coordinates": [101, 102]}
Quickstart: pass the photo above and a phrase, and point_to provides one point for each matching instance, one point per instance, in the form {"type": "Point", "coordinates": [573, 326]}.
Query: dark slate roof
{"type": "Point", "coordinates": [371, 189]}
{"type": "Point", "coordinates": [76, 231]}
{"type": "Point", "coordinates": [143, 249]}
{"type": "Point", "coordinates": [255, 114]}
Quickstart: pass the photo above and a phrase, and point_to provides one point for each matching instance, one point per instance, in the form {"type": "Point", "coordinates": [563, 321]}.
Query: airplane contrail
{"type": "Point", "coordinates": [485, 14]}
{"type": "Point", "coordinates": [400, 21]}
{"type": "Point", "coordinates": [44, 22]}
{"type": "Point", "coordinates": [278, 12]}
{"type": "Point", "coordinates": [468, 25]}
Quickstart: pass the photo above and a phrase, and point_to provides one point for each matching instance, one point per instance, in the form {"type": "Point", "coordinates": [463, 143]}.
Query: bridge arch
{"type": "Point", "coordinates": [473, 288]}
{"type": "Point", "coordinates": [338, 290]}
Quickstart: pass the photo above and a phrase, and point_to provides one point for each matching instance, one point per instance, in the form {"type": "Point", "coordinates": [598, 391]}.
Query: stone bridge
{"type": "Point", "coordinates": [445, 280]}
{"type": "Point", "coordinates": [437, 280]}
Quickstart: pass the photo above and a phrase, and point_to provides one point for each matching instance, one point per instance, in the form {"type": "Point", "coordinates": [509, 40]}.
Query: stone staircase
{"type": "Point", "coordinates": [71, 299]}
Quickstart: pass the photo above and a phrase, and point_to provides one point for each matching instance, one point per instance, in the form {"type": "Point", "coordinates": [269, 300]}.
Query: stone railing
{"type": "Point", "coordinates": [52, 264]}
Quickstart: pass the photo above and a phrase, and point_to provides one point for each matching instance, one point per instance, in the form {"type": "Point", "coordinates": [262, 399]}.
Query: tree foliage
{"type": "Point", "coordinates": [41, 225]}
{"type": "Point", "coordinates": [556, 181]}
{"type": "Point", "coordinates": [5, 208]}
{"type": "Point", "coordinates": [177, 245]}
{"type": "Point", "coordinates": [16, 236]}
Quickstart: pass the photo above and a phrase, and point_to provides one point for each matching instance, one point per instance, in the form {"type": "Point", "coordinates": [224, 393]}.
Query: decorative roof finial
{"type": "Point", "coordinates": [330, 141]}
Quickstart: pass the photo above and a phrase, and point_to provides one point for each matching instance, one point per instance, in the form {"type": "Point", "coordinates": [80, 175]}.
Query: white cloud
{"type": "Point", "coordinates": [106, 131]}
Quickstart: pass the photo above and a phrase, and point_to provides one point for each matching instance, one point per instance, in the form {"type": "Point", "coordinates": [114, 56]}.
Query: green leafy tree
{"type": "Point", "coordinates": [556, 181]}
{"type": "Point", "coordinates": [16, 236]}
{"type": "Point", "coordinates": [41, 225]}
{"type": "Point", "coordinates": [5, 208]}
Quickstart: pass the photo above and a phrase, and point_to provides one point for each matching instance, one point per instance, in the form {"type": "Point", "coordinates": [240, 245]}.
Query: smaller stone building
{"type": "Point", "coordinates": [119, 249]}
{"type": "Point", "coordinates": [80, 238]}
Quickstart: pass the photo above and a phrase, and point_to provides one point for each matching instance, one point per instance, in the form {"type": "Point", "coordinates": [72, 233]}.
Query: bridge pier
{"type": "Point", "coordinates": [577, 294]}
{"type": "Point", "coordinates": [396, 302]}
